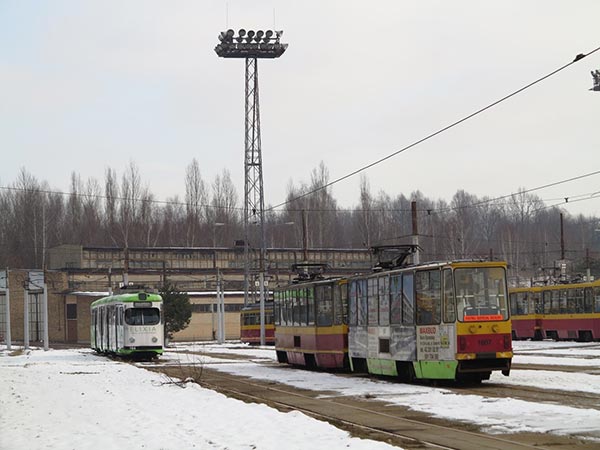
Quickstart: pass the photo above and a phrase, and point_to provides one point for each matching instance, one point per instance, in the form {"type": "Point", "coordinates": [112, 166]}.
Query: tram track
{"type": "Point", "coordinates": [374, 418]}
{"type": "Point", "coordinates": [496, 390]}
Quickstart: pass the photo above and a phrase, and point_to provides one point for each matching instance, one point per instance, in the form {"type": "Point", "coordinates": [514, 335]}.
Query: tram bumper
{"type": "Point", "coordinates": [484, 362]}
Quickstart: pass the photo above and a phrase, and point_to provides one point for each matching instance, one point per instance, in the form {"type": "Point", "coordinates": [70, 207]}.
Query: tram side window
{"type": "Point", "coordinates": [396, 299]}
{"type": "Point", "coordinates": [513, 303]}
{"type": "Point", "coordinates": [373, 301]}
{"type": "Point", "coordinates": [588, 301]}
{"type": "Point", "coordinates": [519, 303]}
{"type": "Point", "coordinates": [384, 301]}
{"type": "Point", "coordinates": [362, 302]}
{"type": "Point", "coordinates": [563, 300]}
{"type": "Point", "coordinates": [536, 301]}
{"type": "Point", "coordinates": [353, 303]}
{"type": "Point", "coordinates": [281, 309]}
{"type": "Point", "coordinates": [344, 302]}
{"type": "Point", "coordinates": [276, 308]}
{"type": "Point", "coordinates": [597, 299]}
{"type": "Point", "coordinates": [428, 293]}
{"type": "Point", "coordinates": [324, 306]}
{"type": "Point", "coordinates": [310, 301]}
{"type": "Point", "coordinates": [302, 306]}
{"type": "Point", "coordinates": [296, 306]}
{"type": "Point", "coordinates": [338, 307]}
{"type": "Point", "coordinates": [408, 299]}
{"type": "Point", "coordinates": [576, 298]}
{"type": "Point", "coordinates": [547, 298]}
{"type": "Point", "coordinates": [288, 308]}
{"type": "Point", "coordinates": [449, 300]}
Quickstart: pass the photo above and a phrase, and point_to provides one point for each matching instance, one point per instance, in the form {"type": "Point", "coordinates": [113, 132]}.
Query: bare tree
{"type": "Point", "coordinates": [224, 207]}
{"type": "Point", "coordinates": [111, 194]}
{"type": "Point", "coordinates": [129, 208]}
{"type": "Point", "coordinates": [196, 199]}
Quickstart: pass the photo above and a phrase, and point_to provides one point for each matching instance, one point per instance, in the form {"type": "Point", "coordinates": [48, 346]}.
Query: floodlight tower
{"type": "Point", "coordinates": [251, 46]}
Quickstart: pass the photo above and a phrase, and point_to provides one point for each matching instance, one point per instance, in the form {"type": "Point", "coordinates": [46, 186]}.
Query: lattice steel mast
{"type": "Point", "coordinates": [251, 46]}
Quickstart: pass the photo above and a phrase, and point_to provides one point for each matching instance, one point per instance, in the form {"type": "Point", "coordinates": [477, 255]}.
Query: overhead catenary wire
{"type": "Point", "coordinates": [579, 57]}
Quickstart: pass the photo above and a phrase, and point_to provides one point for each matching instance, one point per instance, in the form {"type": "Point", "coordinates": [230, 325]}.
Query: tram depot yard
{"type": "Point", "coordinates": [74, 399]}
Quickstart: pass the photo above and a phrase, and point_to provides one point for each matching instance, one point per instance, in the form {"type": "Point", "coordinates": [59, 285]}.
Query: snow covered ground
{"type": "Point", "coordinates": [72, 399]}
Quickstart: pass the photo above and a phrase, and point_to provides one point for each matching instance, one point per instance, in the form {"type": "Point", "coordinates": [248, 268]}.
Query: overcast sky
{"type": "Point", "coordinates": [96, 84]}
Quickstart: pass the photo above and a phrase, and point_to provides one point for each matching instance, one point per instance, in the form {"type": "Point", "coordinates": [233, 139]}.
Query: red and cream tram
{"type": "Point", "coordinates": [561, 311]}
{"type": "Point", "coordinates": [443, 320]}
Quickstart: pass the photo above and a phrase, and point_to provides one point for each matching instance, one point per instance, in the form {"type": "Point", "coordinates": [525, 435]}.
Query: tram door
{"type": "Point", "coordinates": [119, 327]}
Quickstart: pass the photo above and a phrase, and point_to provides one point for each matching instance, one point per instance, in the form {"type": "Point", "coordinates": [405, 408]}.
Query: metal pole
{"type": "Point", "coordinates": [261, 279]}
{"type": "Point", "coordinates": [26, 318]}
{"type": "Point", "coordinates": [415, 232]}
{"type": "Point", "coordinates": [212, 319]}
{"type": "Point", "coordinates": [126, 268]}
{"type": "Point", "coordinates": [5, 287]}
{"type": "Point", "coordinates": [304, 236]}
{"type": "Point", "coordinates": [8, 336]}
{"type": "Point", "coordinates": [222, 313]}
{"type": "Point", "coordinates": [45, 313]}
{"type": "Point", "coordinates": [562, 238]}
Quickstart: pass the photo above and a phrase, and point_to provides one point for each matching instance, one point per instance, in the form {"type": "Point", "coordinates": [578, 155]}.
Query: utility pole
{"type": "Point", "coordinates": [415, 232]}
{"type": "Point", "coordinates": [126, 267]}
{"type": "Point", "coordinates": [45, 314]}
{"type": "Point", "coordinates": [5, 285]}
{"type": "Point", "coordinates": [26, 313]}
{"type": "Point", "coordinates": [304, 236]}
{"type": "Point", "coordinates": [562, 238]}
{"type": "Point", "coordinates": [220, 309]}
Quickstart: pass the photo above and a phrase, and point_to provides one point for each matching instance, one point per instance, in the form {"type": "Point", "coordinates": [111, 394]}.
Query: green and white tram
{"type": "Point", "coordinates": [128, 324]}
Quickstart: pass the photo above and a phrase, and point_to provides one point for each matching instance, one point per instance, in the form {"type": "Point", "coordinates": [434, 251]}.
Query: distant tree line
{"type": "Point", "coordinates": [122, 211]}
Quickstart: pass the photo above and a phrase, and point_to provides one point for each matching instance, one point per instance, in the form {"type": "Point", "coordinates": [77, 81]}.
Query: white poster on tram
{"type": "Point", "coordinates": [435, 342]}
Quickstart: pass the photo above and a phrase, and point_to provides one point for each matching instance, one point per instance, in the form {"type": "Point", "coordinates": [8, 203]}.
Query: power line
{"type": "Point", "coordinates": [426, 138]}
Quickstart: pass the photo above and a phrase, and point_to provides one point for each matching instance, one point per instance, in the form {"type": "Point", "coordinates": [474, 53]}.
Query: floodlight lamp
{"type": "Point", "coordinates": [250, 44]}
{"type": "Point", "coordinates": [268, 36]}
{"type": "Point", "coordinates": [279, 33]}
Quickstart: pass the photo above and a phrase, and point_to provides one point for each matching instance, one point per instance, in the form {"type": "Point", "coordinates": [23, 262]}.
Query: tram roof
{"type": "Point", "coordinates": [128, 298]}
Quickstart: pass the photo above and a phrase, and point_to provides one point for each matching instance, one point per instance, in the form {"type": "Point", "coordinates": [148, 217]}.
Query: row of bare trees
{"type": "Point", "coordinates": [123, 212]}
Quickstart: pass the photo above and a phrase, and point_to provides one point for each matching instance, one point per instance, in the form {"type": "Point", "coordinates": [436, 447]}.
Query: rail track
{"type": "Point", "coordinates": [373, 418]}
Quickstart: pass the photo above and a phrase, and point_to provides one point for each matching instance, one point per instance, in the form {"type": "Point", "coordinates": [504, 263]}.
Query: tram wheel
{"type": "Point", "coordinates": [406, 371]}
{"type": "Point", "coordinates": [282, 357]}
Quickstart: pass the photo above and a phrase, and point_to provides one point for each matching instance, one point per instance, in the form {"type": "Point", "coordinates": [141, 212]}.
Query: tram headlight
{"type": "Point", "coordinates": [131, 340]}
{"type": "Point", "coordinates": [155, 339]}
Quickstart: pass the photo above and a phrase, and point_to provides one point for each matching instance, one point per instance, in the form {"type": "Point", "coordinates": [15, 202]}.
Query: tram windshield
{"type": "Point", "coordinates": [142, 316]}
{"type": "Point", "coordinates": [481, 294]}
